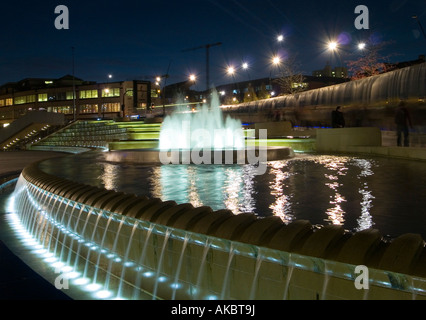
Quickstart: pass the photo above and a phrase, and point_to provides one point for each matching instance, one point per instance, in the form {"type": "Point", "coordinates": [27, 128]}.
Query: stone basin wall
{"type": "Point", "coordinates": [148, 248]}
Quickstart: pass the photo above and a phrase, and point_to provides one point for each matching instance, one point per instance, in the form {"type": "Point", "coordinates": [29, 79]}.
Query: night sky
{"type": "Point", "coordinates": [143, 39]}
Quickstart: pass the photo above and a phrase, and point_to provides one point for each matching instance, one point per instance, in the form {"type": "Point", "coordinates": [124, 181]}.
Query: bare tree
{"type": "Point", "coordinates": [290, 79]}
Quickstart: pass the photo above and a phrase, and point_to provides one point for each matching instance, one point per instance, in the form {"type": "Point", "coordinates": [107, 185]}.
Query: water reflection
{"type": "Point", "coordinates": [338, 168]}
{"type": "Point", "coordinates": [234, 187]}
{"type": "Point", "coordinates": [248, 202]}
{"type": "Point", "coordinates": [365, 221]}
{"type": "Point", "coordinates": [193, 194]}
{"type": "Point", "coordinates": [216, 186]}
{"type": "Point", "coordinates": [281, 207]}
{"type": "Point", "coordinates": [110, 176]}
{"type": "Point", "coordinates": [349, 191]}
{"type": "Point", "coordinates": [231, 191]}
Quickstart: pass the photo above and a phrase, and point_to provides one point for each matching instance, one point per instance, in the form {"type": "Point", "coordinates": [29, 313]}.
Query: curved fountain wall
{"type": "Point", "coordinates": [138, 248]}
{"type": "Point", "coordinates": [365, 102]}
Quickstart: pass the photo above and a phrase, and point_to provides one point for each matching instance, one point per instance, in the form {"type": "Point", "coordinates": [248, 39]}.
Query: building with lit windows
{"type": "Point", "coordinates": [329, 72]}
{"type": "Point", "coordinates": [76, 98]}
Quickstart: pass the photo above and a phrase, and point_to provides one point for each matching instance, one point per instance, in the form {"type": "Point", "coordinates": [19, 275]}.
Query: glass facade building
{"type": "Point", "coordinates": [91, 100]}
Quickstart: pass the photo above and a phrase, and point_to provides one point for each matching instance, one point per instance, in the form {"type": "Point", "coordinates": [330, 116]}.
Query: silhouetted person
{"type": "Point", "coordinates": [403, 123]}
{"type": "Point", "coordinates": [337, 118]}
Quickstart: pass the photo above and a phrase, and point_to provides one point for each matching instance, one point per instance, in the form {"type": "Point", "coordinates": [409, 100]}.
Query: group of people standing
{"type": "Point", "coordinates": [402, 121]}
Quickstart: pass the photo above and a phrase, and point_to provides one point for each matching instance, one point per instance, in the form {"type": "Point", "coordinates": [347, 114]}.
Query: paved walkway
{"type": "Point", "coordinates": [15, 161]}
{"type": "Point", "coordinates": [17, 280]}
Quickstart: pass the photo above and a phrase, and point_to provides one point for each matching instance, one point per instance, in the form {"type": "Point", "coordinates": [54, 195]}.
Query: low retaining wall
{"type": "Point", "coordinates": [337, 140]}
{"type": "Point", "coordinates": [366, 141]}
{"type": "Point", "coordinates": [146, 248]}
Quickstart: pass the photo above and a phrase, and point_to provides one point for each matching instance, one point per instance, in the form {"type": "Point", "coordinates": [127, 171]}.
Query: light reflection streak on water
{"type": "Point", "coordinates": [248, 202]}
{"type": "Point", "coordinates": [365, 221]}
{"type": "Point", "coordinates": [282, 205]}
{"type": "Point", "coordinates": [231, 190]}
{"type": "Point", "coordinates": [194, 184]}
{"type": "Point", "coordinates": [238, 189]}
{"type": "Point", "coordinates": [193, 194]}
{"type": "Point", "coordinates": [155, 182]}
{"type": "Point", "coordinates": [110, 176]}
{"type": "Point", "coordinates": [339, 169]}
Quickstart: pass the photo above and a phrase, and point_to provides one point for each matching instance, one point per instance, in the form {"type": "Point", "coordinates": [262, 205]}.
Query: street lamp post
{"type": "Point", "coordinates": [245, 66]}
{"type": "Point", "coordinates": [73, 86]}
{"type": "Point", "coordinates": [231, 72]}
{"type": "Point", "coordinates": [333, 47]}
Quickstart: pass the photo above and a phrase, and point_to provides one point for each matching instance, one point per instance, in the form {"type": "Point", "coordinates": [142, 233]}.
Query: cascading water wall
{"type": "Point", "coordinates": [206, 128]}
{"type": "Point", "coordinates": [366, 102]}
{"type": "Point", "coordinates": [124, 255]}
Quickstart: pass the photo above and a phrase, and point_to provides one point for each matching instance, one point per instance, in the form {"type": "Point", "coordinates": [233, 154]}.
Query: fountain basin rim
{"type": "Point", "coordinates": [151, 156]}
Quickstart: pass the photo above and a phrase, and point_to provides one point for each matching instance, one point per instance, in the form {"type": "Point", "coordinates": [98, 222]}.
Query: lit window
{"type": "Point", "coordinates": [88, 94]}
{"type": "Point", "coordinates": [20, 100]}
{"type": "Point", "coordinates": [69, 95]}
{"type": "Point", "coordinates": [154, 94]}
{"type": "Point", "coordinates": [31, 98]}
{"type": "Point", "coordinates": [89, 108]}
{"type": "Point", "coordinates": [9, 102]}
{"type": "Point", "coordinates": [2, 103]}
{"type": "Point", "coordinates": [42, 97]}
{"type": "Point", "coordinates": [65, 110]}
{"type": "Point", "coordinates": [111, 107]}
{"type": "Point", "coordinates": [111, 92]}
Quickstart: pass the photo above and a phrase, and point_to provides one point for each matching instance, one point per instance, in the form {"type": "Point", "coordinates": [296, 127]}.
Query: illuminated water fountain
{"type": "Point", "coordinates": [205, 136]}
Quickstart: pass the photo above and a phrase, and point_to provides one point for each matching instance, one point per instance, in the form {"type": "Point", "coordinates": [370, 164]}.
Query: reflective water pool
{"type": "Point", "coordinates": [356, 192]}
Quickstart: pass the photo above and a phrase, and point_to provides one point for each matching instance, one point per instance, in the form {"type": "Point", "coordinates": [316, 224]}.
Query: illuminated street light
{"type": "Point", "coordinates": [192, 78]}
{"type": "Point", "coordinates": [280, 38]}
{"type": "Point", "coordinates": [362, 46]}
{"type": "Point", "coordinates": [230, 71]}
{"type": "Point", "coordinates": [245, 67]}
{"type": "Point", "coordinates": [333, 45]}
{"type": "Point", "coordinates": [276, 60]}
